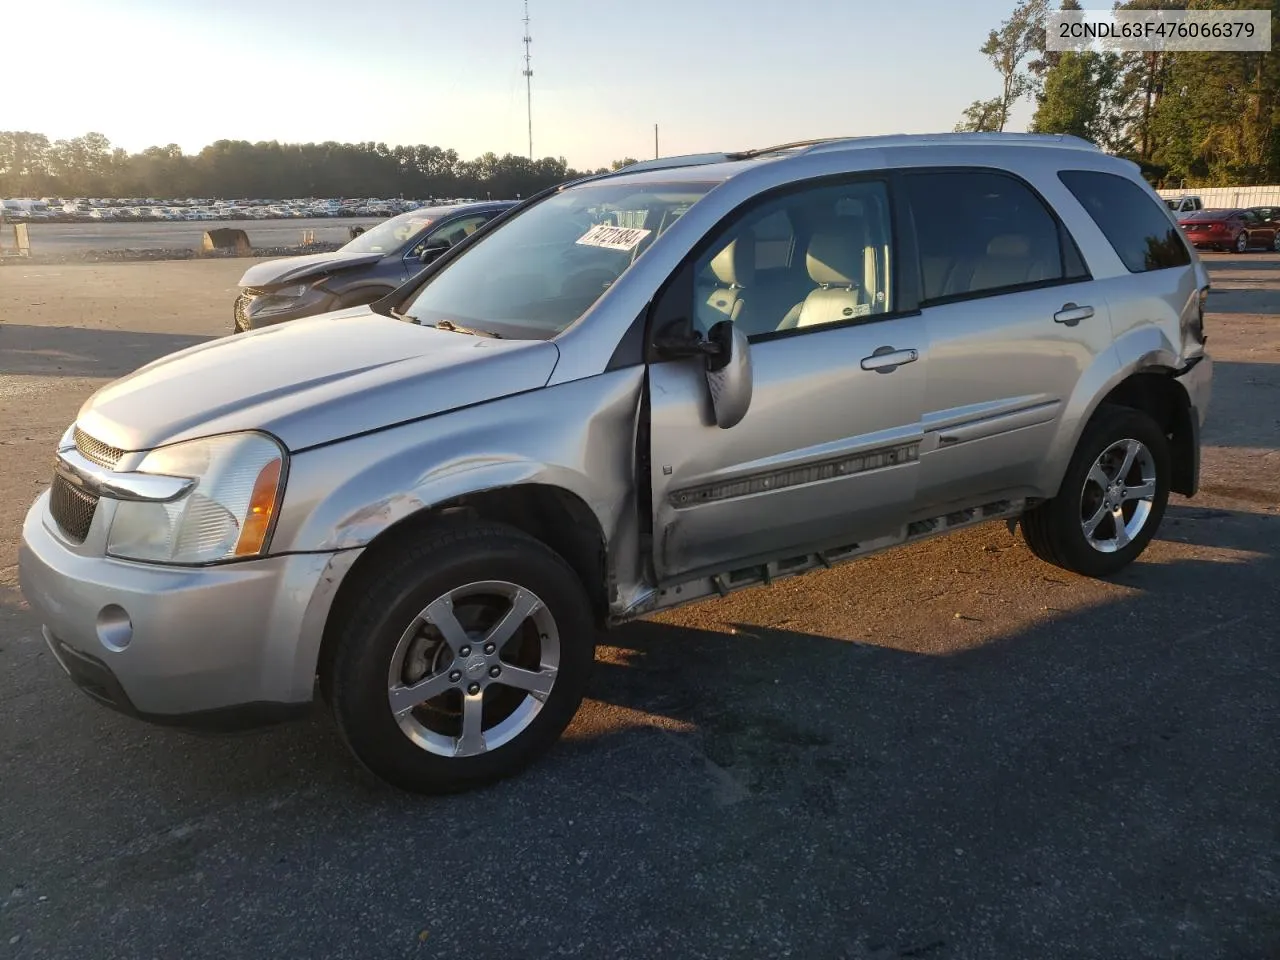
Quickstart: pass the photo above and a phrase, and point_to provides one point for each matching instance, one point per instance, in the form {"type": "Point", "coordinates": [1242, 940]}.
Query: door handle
{"type": "Point", "coordinates": [887, 359]}
{"type": "Point", "coordinates": [1070, 314]}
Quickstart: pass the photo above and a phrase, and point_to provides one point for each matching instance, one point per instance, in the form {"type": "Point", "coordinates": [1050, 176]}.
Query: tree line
{"type": "Point", "coordinates": [1203, 119]}
{"type": "Point", "coordinates": [89, 166]}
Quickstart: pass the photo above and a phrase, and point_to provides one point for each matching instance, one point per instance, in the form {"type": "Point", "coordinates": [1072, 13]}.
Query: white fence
{"type": "Point", "coordinates": [1220, 197]}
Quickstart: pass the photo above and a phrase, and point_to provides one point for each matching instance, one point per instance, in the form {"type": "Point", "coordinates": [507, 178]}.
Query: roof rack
{"type": "Point", "coordinates": [986, 139]}
{"type": "Point", "coordinates": [663, 163]}
{"type": "Point", "coordinates": [824, 144]}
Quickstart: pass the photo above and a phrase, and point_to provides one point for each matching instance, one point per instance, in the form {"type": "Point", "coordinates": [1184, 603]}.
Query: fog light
{"type": "Point", "coordinates": [114, 628]}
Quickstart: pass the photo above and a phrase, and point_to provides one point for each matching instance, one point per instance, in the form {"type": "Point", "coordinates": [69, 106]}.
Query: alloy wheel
{"type": "Point", "coordinates": [474, 668]}
{"type": "Point", "coordinates": [1116, 501]}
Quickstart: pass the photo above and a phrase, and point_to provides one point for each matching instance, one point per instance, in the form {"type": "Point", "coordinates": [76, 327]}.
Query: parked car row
{"type": "Point", "coordinates": [628, 393]}
{"type": "Point", "coordinates": [83, 210]}
{"type": "Point", "coordinates": [1240, 230]}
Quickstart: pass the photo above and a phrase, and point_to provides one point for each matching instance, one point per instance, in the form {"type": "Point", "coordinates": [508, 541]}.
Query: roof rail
{"type": "Point", "coordinates": [784, 147]}
{"type": "Point", "coordinates": [910, 139]}
{"type": "Point", "coordinates": [663, 163]}
{"type": "Point", "coordinates": [824, 144]}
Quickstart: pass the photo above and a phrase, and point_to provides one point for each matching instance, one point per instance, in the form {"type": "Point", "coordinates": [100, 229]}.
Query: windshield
{"type": "Point", "coordinates": [537, 274]}
{"type": "Point", "coordinates": [390, 235]}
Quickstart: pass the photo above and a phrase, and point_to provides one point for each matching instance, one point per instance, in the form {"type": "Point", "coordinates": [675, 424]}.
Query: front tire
{"type": "Point", "coordinates": [463, 661]}
{"type": "Point", "coordinates": [1242, 243]}
{"type": "Point", "coordinates": [1112, 498]}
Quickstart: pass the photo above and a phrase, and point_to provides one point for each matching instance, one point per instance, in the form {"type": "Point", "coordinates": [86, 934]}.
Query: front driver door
{"type": "Point", "coordinates": [827, 454]}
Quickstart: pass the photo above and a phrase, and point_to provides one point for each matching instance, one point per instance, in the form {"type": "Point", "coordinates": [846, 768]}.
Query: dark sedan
{"type": "Point", "coordinates": [363, 270]}
{"type": "Point", "coordinates": [1232, 229]}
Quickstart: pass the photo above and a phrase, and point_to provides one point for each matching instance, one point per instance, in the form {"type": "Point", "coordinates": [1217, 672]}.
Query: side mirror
{"type": "Point", "coordinates": [726, 357]}
{"type": "Point", "coordinates": [729, 374]}
{"type": "Point", "coordinates": [432, 250]}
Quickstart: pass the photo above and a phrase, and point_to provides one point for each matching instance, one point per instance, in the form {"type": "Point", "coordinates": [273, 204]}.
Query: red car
{"type": "Point", "coordinates": [1235, 229]}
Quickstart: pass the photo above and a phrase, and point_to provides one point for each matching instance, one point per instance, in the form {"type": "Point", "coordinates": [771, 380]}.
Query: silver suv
{"type": "Point", "coordinates": [627, 393]}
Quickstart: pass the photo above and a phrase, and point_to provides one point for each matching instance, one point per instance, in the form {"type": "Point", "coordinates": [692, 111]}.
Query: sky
{"type": "Point", "coordinates": [713, 74]}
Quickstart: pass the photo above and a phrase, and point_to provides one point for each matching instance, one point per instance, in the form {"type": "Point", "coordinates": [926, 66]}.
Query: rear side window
{"type": "Point", "coordinates": [1136, 227]}
{"type": "Point", "coordinates": [982, 232]}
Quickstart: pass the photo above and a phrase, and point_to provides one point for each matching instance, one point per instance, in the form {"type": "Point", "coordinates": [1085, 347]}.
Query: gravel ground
{"type": "Point", "coordinates": [950, 751]}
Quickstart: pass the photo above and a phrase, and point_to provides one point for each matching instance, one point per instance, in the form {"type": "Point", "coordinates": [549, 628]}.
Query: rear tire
{"type": "Point", "coordinates": [1124, 506]}
{"type": "Point", "coordinates": [424, 625]}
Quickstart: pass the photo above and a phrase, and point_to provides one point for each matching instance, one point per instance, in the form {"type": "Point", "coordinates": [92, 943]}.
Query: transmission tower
{"type": "Point", "coordinates": [528, 77]}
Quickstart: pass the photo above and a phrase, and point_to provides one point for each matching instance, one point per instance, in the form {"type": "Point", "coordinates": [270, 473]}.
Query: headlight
{"type": "Point", "coordinates": [279, 301]}
{"type": "Point", "coordinates": [226, 515]}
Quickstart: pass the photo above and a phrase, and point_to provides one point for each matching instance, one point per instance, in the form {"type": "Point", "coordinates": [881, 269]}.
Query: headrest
{"type": "Point", "coordinates": [836, 258]}
{"type": "Point", "coordinates": [1009, 245]}
{"type": "Point", "coordinates": [735, 265]}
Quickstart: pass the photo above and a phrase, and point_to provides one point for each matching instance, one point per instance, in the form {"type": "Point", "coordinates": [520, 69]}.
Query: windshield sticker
{"type": "Point", "coordinates": [613, 238]}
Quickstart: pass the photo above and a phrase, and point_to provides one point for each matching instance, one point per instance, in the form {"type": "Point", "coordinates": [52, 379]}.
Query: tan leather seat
{"type": "Point", "coordinates": [837, 262]}
{"type": "Point", "coordinates": [731, 273]}
{"type": "Point", "coordinates": [1009, 262]}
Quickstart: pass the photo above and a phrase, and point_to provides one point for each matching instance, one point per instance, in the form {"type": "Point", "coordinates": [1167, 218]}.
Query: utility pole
{"type": "Point", "coordinates": [655, 141]}
{"type": "Point", "coordinates": [528, 77]}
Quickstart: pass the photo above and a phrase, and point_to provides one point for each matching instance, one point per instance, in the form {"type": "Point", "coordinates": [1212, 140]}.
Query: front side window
{"type": "Point", "coordinates": [1141, 234]}
{"type": "Point", "coordinates": [450, 233]}
{"type": "Point", "coordinates": [536, 274]}
{"type": "Point", "coordinates": [980, 232]}
{"type": "Point", "coordinates": [388, 236]}
{"type": "Point", "coordinates": [812, 258]}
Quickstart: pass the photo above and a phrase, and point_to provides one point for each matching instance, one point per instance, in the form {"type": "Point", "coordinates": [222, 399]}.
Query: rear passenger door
{"type": "Point", "coordinates": [1012, 321]}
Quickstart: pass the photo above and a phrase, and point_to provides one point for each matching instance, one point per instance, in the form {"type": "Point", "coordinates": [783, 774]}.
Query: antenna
{"type": "Point", "coordinates": [528, 77]}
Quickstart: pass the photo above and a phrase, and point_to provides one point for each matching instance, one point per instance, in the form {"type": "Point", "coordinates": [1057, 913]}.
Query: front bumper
{"type": "Point", "coordinates": [221, 647]}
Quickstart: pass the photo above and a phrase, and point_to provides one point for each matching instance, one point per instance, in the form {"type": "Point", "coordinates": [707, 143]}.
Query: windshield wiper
{"type": "Point", "coordinates": [455, 328]}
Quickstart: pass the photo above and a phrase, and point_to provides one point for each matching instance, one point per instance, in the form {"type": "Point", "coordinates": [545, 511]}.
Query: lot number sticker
{"type": "Point", "coordinates": [613, 238]}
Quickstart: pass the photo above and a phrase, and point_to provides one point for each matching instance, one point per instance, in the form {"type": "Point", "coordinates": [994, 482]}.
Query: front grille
{"type": "Point", "coordinates": [97, 451]}
{"type": "Point", "coordinates": [72, 508]}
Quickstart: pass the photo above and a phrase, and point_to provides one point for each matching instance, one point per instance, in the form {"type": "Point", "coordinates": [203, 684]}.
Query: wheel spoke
{"type": "Point", "coordinates": [536, 682]}
{"type": "Point", "coordinates": [1131, 448]}
{"type": "Point", "coordinates": [472, 740]}
{"type": "Point", "coordinates": [1099, 476]}
{"type": "Point", "coordinates": [1122, 534]}
{"type": "Point", "coordinates": [1091, 524]}
{"type": "Point", "coordinates": [441, 615]}
{"type": "Point", "coordinates": [523, 604]}
{"type": "Point", "coordinates": [404, 699]}
{"type": "Point", "coordinates": [1144, 491]}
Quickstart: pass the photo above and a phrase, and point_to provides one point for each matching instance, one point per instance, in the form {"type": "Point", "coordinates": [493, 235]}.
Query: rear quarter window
{"type": "Point", "coordinates": [1136, 226]}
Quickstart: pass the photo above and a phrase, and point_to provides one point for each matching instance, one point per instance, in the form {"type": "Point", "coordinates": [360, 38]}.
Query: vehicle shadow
{"type": "Point", "coordinates": [1076, 784]}
{"type": "Point", "coordinates": [1245, 407]}
{"type": "Point", "coordinates": [1223, 260]}
{"type": "Point", "coordinates": [28, 350]}
{"type": "Point", "coordinates": [1244, 297]}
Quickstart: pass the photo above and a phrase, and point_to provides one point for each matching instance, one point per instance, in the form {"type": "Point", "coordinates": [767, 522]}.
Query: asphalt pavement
{"type": "Point", "coordinates": [64, 238]}
{"type": "Point", "coordinates": [951, 751]}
